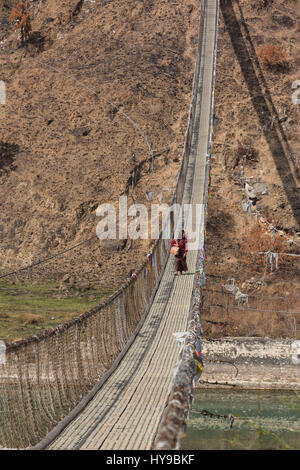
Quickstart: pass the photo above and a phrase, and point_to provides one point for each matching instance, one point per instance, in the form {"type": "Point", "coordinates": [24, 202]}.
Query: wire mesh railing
{"type": "Point", "coordinates": [43, 377]}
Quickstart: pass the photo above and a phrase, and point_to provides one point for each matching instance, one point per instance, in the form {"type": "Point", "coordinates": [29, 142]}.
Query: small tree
{"type": "Point", "coordinates": [21, 18]}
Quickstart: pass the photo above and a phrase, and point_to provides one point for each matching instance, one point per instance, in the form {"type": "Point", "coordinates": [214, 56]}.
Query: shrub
{"type": "Point", "coordinates": [272, 56]}
{"type": "Point", "coordinates": [258, 239]}
{"type": "Point", "coordinates": [21, 18]}
{"type": "Point", "coordinates": [246, 149]}
{"type": "Point", "coordinates": [259, 4]}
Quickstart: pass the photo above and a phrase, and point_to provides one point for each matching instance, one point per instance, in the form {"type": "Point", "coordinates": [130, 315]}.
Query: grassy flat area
{"type": "Point", "coordinates": [27, 309]}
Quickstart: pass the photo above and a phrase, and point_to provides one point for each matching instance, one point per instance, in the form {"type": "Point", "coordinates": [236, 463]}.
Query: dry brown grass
{"type": "Point", "coordinates": [245, 322]}
{"type": "Point", "coordinates": [264, 315]}
{"type": "Point", "coordinates": [75, 151]}
{"type": "Point", "coordinates": [273, 56]}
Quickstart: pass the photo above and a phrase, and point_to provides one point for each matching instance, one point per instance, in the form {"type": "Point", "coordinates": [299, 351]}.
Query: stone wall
{"type": "Point", "coordinates": [251, 362]}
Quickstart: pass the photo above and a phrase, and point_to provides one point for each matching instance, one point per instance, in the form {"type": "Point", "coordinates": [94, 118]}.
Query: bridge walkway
{"type": "Point", "coordinates": [126, 411]}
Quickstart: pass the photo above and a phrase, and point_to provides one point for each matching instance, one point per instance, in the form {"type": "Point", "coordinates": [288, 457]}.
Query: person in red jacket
{"type": "Point", "coordinates": [180, 258]}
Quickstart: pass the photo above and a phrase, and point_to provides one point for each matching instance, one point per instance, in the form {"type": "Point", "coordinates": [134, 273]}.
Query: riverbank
{"type": "Point", "coordinates": [251, 363]}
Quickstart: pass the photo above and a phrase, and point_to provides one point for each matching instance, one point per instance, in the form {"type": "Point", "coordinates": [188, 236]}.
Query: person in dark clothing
{"type": "Point", "coordinates": [180, 258]}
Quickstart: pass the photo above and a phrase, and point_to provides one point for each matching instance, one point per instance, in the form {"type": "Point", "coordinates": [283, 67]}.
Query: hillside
{"type": "Point", "coordinates": [256, 143]}
{"type": "Point", "coordinates": [67, 144]}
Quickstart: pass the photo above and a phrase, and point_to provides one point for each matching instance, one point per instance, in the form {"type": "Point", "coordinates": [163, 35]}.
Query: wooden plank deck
{"type": "Point", "coordinates": [125, 413]}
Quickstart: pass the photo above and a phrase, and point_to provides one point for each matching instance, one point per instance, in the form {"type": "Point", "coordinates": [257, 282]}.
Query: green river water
{"type": "Point", "coordinates": [263, 420]}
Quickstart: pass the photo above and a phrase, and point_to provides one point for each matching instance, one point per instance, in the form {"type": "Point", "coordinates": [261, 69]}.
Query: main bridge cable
{"type": "Point", "coordinates": [47, 259]}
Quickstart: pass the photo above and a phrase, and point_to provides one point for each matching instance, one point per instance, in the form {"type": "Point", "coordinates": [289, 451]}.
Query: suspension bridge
{"type": "Point", "coordinates": [102, 380]}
